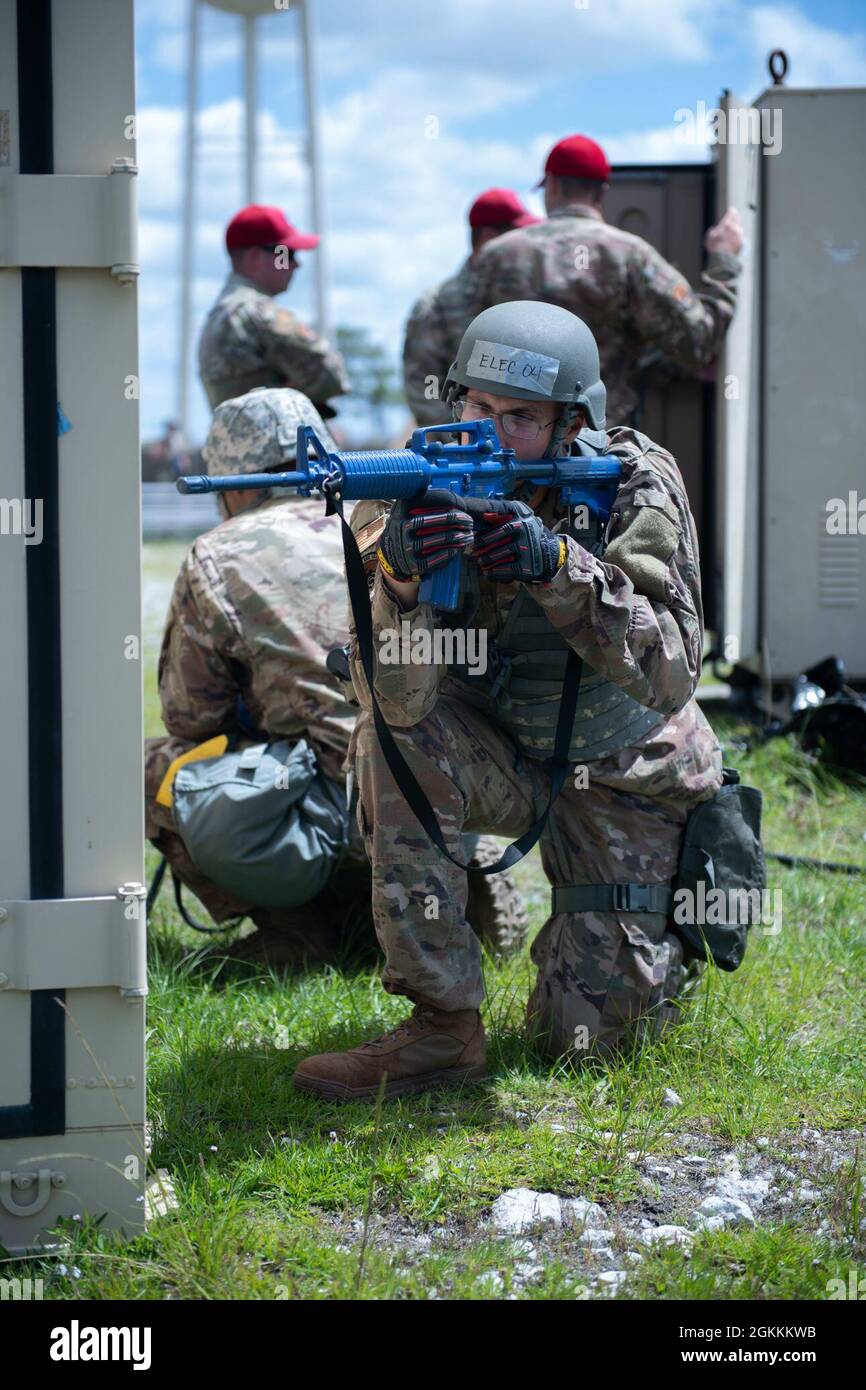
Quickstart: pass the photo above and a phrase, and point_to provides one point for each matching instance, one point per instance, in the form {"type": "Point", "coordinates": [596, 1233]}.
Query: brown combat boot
{"type": "Point", "coordinates": [432, 1047]}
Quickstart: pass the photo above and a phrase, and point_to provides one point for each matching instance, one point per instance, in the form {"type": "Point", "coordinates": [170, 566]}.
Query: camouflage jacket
{"type": "Point", "coordinates": [635, 616]}
{"type": "Point", "coordinates": [632, 299]}
{"type": "Point", "coordinates": [258, 603]}
{"type": "Point", "coordinates": [249, 341]}
{"type": "Point", "coordinates": [436, 324]}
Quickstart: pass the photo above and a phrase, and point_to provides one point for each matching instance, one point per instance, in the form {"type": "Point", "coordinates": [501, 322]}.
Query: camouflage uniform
{"type": "Point", "coordinates": [258, 603]}
{"type": "Point", "coordinates": [436, 324]}
{"type": "Point", "coordinates": [627, 293]}
{"type": "Point", "coordinates": [249, 341]}
{"type": "Point", "coordinates": [635, 616]}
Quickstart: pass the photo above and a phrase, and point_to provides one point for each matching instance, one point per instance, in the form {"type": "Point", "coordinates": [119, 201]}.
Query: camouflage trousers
{"type": "Point", "coordinates": [602, 977]}
{"type": "Point", "coordinates": [319, 928]}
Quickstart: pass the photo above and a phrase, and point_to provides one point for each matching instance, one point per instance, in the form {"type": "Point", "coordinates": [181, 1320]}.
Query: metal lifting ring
{"type": "Point", "coordinates": [778, 65]}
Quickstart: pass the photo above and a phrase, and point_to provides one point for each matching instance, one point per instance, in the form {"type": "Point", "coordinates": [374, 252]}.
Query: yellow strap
{"type": "Point", "coordinates": [211, 749]}
{"type": "Point", "coordinates": [389, 570]}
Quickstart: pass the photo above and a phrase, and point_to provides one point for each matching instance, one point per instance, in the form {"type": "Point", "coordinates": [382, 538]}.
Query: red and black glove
{"type": "Point", "coordinates": [511, 542]}
{"type": "Point", "coordinates": [425, 534]}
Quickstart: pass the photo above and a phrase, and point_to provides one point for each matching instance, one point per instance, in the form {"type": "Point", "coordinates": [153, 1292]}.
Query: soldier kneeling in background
{"type": "Point", "coordinates": [246, 796]}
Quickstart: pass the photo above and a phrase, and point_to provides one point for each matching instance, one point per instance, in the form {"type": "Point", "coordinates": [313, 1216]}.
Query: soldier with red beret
{"type": "Point", "coordinates": [628, 294]}
{"type": "Point", "coordinates": [249, 341]}
{"type": "Point", "coordinates": [438, 320]}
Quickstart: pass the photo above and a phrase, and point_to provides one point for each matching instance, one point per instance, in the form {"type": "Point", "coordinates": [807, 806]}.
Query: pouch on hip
{"type": "Point", "coordinates": [718, 890]}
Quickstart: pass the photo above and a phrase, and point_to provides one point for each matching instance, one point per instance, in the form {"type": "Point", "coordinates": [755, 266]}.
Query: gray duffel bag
{"type": "Point", "coordinates": [263, 823]}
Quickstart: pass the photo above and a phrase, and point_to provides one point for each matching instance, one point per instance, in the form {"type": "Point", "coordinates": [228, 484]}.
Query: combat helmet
{"type": "Point", "coordinates": [257, 432]}
{"type": "Point", "coordinates": [532, 351]}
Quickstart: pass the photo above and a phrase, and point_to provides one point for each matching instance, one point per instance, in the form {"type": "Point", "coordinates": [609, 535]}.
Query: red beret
{"type": "Point", "coordinates": [499, 207]}
{"type": "Point", "coordinates": [577, 157]}
{"type": "Point", "coordinates": [262, 226]}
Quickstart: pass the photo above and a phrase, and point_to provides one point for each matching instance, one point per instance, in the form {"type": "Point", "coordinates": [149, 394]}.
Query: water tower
{"type": "Point", "coordinates": [249, 12]}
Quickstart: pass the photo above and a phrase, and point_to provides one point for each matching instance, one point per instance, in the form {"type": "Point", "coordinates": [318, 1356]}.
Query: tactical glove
{"type": "Point", "coordinates": [424, 534]}
{"type": "Point", "coordinates": [511, 542]}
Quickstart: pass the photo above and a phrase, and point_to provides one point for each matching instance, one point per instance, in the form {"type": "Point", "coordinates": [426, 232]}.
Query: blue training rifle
{"type": "Point", "coordinates": [481, 468]}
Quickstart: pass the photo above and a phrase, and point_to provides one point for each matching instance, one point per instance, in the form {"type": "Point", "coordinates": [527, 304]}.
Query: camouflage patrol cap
{"type": "Point", "coordinates": [533, 351]}
{"type": "Point", "coordinates": [257, 433]}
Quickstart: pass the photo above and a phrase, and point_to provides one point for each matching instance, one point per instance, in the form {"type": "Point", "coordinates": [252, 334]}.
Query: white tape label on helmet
{"type": "Point", "coordinates": [515, 366]}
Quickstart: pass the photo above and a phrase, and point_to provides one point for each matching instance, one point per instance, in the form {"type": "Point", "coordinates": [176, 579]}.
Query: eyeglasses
{"type": "Point", "coordinates": [515, 426]}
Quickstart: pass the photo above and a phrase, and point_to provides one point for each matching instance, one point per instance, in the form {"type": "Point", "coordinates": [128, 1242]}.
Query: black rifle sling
{"type": "Point", "coordinates": [362, 612]}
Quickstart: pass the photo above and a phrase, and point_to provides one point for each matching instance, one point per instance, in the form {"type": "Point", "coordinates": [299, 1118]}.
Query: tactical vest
{"type": "Point", "coordinates": [525, 675]}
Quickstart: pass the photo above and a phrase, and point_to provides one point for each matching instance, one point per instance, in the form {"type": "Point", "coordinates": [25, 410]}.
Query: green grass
{"type": "Point", "coordinates": [284, 1196]}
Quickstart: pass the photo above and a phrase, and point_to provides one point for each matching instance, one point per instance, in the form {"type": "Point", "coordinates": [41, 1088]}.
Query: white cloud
{"type": "Point", "coordinates": [171, 50]}
{"type": "Point", "coordinates": [548, 38]}
{"type": "Point", "coordinates": [659, 146]}
{"type": "Point", "coordinates": [395, 200]}
{"type": "Point", "coordinates": [820, 57]}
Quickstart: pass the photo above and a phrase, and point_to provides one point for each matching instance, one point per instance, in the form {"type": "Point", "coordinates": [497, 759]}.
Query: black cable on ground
{"type": "Point", "coordinates": [797, 861]}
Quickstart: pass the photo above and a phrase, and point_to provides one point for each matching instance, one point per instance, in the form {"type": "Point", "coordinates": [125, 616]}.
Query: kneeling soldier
{"type": "Point", "coordinates": [541, 582]}
{"type": "Point", "coordinates": [259, 603]}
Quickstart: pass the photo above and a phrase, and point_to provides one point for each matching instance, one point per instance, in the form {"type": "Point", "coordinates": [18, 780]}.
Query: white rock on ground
{"type": "Point", "coordinates": [718, 1211]}
{"type": "Point", "coordinates": [612, 1278]}
{"type": "Point", "coordinates": [731, 1183]}
{"type": "Point", "coordinates": [596, 1239]}
{"type": "Point", "coordinates": [668, 1235]}
{"type": "Point", "coordinates": [578, 1211]}
{"type": "Point", "coordinates": [521, 1208]}
{"type": "Point", "coordinates": [649, 1184]}
{"type": "Point", "coordinates": [159, 1195]}
{"type": "Point", "coordinates": [527, 1265]}
{"type": "Point", "coordinates": [670, 1097]}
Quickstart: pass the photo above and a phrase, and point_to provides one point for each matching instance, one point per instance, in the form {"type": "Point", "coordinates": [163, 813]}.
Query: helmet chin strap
{"type": "Point", "coordinates": [566, 418]}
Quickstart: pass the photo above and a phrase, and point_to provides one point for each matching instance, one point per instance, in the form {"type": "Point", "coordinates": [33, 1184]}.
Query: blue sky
{"type": "Point", "coordinates": [504, 79]}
